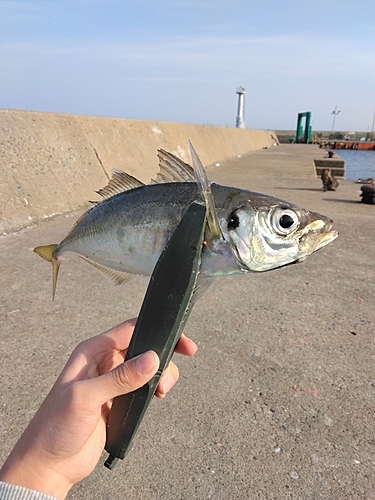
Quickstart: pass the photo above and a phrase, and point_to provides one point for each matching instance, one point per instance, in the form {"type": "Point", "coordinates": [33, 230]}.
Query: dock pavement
{"type": "Point", "coordinates": [277, 403]}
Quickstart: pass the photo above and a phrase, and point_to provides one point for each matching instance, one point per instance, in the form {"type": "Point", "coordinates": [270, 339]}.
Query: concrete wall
{"type": "Point", "coordinates": [52, 163]}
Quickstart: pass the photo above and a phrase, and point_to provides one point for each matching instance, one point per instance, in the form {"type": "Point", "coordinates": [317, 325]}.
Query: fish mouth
{"type": "Point", "coordinates": [325, 239]}
{"type": "Point", "coordinates": [321, 230]}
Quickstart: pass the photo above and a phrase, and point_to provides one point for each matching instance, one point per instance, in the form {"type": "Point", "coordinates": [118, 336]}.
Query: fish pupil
{"type": "Point", "coordinates": [233, 221]}
{"type": "Point", "coordinates": [286, 221]}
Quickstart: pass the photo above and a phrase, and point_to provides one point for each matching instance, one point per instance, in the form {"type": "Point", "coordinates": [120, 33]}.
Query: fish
{"type": "Point", "coordinates": [124, 234]}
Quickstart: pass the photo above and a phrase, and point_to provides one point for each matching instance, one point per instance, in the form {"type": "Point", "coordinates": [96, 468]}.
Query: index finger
{"type": "Point", "coordinates": [118, 338]}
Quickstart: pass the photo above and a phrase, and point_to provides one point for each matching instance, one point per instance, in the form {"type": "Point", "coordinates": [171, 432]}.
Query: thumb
{"type": "Point", "coordinates": [126, 377]}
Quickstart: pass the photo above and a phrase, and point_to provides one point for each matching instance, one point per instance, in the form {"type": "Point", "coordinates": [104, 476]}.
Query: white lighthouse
{"type": "Point", "coordinates": [240, 120]}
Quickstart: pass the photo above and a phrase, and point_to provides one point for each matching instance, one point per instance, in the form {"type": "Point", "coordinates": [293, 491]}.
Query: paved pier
{"type": "Point", "coordinates": [277, 403]}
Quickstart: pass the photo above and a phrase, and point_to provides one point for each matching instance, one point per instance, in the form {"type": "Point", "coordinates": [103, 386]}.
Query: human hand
{"type": "Point", "coordinates": [66, 437]}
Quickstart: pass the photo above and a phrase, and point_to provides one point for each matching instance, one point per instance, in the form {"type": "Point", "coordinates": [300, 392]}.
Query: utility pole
{"type": "Point", "coordinates": [240, 121]}
{"type": "Point", "coordinates": [334, 113]}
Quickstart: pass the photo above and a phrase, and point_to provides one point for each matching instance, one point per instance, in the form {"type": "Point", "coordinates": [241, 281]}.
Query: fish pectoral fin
{"type": "Point", "coordinates": [201, 287]}
{"type": "Point", "coordinates": [117, 277]}
{"type": "Point", "coordinates": [172, 169]}
{"type": "Point", "coordinates": [120, 182]}
{"type": "Point", "coordinates": [204, 185]}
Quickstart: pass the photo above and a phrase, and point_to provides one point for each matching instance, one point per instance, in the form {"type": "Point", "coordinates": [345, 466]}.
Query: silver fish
{"type": "Point", "coordinates": [124, 234]}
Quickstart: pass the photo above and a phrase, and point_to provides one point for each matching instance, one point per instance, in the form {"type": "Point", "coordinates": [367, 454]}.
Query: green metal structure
{"type": "Point", "coordinates": [304, 135]}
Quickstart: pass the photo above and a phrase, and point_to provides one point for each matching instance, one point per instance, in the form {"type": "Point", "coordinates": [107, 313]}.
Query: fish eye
{"type": "Point", "coordinates": [284, 221]}
{"type": "Point", "coordinates": [233, 221]}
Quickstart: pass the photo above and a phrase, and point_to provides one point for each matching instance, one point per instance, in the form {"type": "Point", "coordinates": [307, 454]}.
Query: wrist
{"type": "Point", "coordinates": [28, 472]}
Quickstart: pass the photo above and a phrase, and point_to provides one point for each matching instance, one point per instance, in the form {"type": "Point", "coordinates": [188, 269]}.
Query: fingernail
{"type": "Point", "coordinates": [167, 384]}
{"type": "Point", "coordinates": [194, 344]}
{"type": "Point", "coordinates": [145, 363]}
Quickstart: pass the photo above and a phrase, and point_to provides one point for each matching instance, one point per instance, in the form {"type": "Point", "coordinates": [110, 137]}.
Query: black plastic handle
{"type": "Point", "coordinates": [163, 314]}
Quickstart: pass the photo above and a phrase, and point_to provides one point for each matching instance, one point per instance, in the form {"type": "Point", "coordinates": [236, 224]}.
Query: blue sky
{"type": "Point", "coordinates": [182, 60]}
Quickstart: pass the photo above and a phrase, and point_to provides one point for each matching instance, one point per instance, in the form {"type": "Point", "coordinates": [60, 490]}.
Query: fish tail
{"type": "Point", "coordinates": [46, 252]}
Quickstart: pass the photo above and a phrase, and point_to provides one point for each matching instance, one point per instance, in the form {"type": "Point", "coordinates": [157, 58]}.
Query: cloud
{"type": "Point", "coordinates": [289, 56]}
{"type": "Point", "coordinates": [291, 71]}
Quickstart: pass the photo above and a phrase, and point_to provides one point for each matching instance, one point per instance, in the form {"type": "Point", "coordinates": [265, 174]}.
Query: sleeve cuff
{"type": "Point", "coordinates": [14, 492]}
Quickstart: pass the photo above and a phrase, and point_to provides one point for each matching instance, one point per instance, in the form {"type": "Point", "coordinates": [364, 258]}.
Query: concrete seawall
{"type": "Point", "coordinates": [52, 163]}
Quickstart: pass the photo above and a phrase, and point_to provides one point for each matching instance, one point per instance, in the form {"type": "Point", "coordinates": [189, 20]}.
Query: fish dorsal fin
{"type": "Point", "coordinates": [120, 182]}
{"type": "Point", "coordinates": [205, 186]}
{"type": "Point", "coordinates": [172, 169]}
{"type": "Point", "coordinates": [117, 277]}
